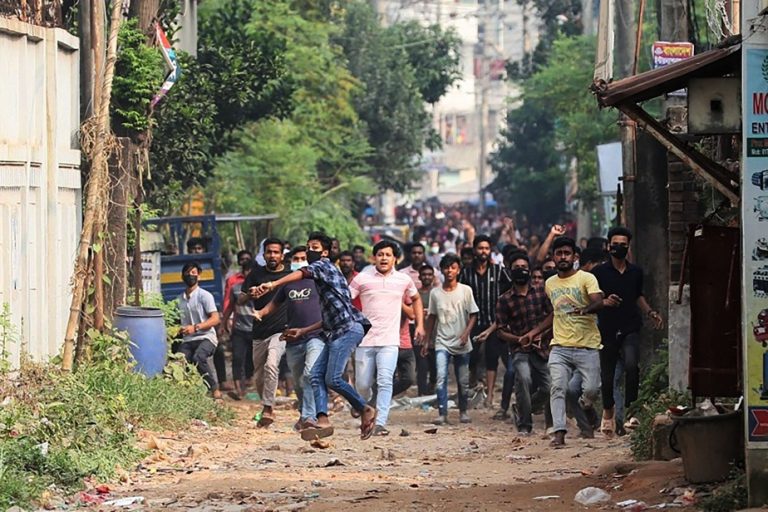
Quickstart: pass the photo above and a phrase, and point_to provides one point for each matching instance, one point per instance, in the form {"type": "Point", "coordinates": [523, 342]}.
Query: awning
{"type": "Point", "coordinates": [713, 63]}
{"type": "Point", "coordinates": [625, 95]}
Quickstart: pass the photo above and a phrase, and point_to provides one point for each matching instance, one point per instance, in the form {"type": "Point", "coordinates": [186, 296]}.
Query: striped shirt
{"type": "Point", "coordinates": [486, 289]}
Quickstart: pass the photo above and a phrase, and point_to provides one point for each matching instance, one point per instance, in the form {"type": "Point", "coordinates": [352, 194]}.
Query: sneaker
{"type": "Point", "coordinates": [441, 420]}
{"type": "Point", "coordinates": [464, 418]}
{"type": "Point", "coordinates": [524, 433]}
{"type": "Point", "coordinates": [558, 440]}
{"type": "Point", "coordinates": [587, 434]}
{"type": "Point", "coordinates": [501, 414]}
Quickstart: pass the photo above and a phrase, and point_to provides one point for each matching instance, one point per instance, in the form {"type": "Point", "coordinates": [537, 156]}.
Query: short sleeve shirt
{"type": "Point", "coordinates": [627, 285]}
{"type": "Point", "coordinates": [243, 312]}
{"type": "Point", "coordinates": [275, 322]}
{"type": "Point", "coordinates": [452, 309]}
{"type": "Point", "coordinates": [303, 305]}
{"type": "Point", "coordinates": [196, 309]}
{"type": "Point", "coordinates": [486, 289]}
{"type": "Point", "coordinates": [382, 298]}
{"type": "Point", "coordinates": [567, 296]}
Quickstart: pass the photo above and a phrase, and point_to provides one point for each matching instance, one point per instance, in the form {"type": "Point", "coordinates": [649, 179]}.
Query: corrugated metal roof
{"type": "Point", "coordinates": [713, 63]}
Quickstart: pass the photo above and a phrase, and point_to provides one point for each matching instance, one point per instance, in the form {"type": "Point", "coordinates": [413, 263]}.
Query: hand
{"type": "Point", "coordinates": [424, 349]}
{"type": "Point", "coordinates": [257, 292]}
{"type": "Point", "coordinates": [464, 338]}
{"type": "Point", "coordinates": [524, 340]}
{"type": "Point", "coordinates": [557, 230]}
{"type": "Point", "coordinates": [656, 320]}
{"type": "Point", "coordinates": [483, 336]}
{"type": "Point", "coordinates": [612, 301]}
{"type": "Point", "coordinates": [418, 335]}
{"type": "Point", "coordinates": [257, 315]}
{"type": "Point", "coordinates": [188, 330]}
{"type": "Point", "coordinates": [291, 335]}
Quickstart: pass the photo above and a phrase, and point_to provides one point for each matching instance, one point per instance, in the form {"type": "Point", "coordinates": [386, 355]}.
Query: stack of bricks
{"type": "Point", "coordinates": [683, 195]}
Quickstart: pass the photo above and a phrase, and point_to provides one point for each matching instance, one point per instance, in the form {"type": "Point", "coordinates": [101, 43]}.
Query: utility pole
{"type": "Point", "coordinates": [625, 52]}
{"type": "Point", "coordinates": [482, 82]}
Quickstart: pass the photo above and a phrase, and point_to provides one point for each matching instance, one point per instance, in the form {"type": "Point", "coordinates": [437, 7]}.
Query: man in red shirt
{"type": "Point", "coordinates": [243, 257]}
{"type": "Point", "coordinates": [347, 267]}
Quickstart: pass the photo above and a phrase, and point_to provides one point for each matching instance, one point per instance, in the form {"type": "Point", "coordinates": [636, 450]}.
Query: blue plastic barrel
{"type": "Point", "coordinates": [146, 330]}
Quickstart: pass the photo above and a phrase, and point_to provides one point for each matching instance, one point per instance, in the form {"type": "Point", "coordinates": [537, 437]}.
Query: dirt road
{"type": "Point", "coordinates": [482, 466]}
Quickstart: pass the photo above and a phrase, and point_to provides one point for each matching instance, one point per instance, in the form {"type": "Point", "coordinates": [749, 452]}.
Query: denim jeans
{"type": "Point", "coordinates": [574, 391]}
{"type": "Point", "coordinates": [329, 370]}
{"type": "Point", "coordinates": [461, 368]}
{"type": "Point", "coordinates": [563, 362]}
{"type": "Point", "coordinates": [426, 370]}
{"type": "Point", "coordinates": [301, 358]}
{"type": "Point", "coordinates": [376, 365]}
{"type": "Point", "coordinates": [531, 374]}
{"type": "Point", "coordinates": [508, 385]}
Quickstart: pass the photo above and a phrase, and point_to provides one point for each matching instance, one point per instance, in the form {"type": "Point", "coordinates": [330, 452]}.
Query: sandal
{"type": "Point", "coordinates": [367, 425]}
{"type": "Point", "coordinates": [265, 420]}
{"type": "Point", "coordinates": [318, 432]}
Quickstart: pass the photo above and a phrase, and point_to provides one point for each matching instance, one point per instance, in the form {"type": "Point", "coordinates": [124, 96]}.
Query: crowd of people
{"type": "Point", "coordinates": [562, 317]}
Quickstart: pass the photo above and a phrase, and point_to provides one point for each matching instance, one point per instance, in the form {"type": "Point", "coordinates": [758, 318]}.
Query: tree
{"type": "Point", "coordinates": [557, 122]}
{"type": "Point", "coordinates": [391, 101]}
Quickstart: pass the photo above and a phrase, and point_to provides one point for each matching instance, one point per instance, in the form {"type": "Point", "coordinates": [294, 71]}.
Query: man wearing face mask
{"type": "Point", "coordinates": [620, 324]}
{"type": "Point", "coordinates": [303, 339]}
{"type": "Point", "coordinates": [268, 348]}
{"type": "Point", "coordinates": [524, 317]}
{"type": "Point", "coordinates": [199, 316]}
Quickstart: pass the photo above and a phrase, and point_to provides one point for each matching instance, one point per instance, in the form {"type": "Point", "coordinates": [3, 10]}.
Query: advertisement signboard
{"type": "Point", "coordinates": [665, 53]}
{"type": "Point", "coordinates": [754, 204]}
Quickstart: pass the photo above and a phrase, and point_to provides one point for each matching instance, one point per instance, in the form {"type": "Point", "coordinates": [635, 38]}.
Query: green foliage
{"type": "Point", "coordinates": [557, 123]}
{"type": "Point", "coordinates": [60, 427]}
{"type": "Point", "coordinates": [138, 76]}
{"type": "Point", "coordinates": [390, 102]}
{"type": "Point", "coordinates": [730, 495]}
{"type": "Point", "coordinates": [654, 397]}
{"type": "Point", "coordinates": [170, 309]}
{"type": "Point", "coordinates": [433, 53]}
{"type": "Point", "coordinates": [8, 335]}
{"type": "Point", "coordinates": [237, 77]}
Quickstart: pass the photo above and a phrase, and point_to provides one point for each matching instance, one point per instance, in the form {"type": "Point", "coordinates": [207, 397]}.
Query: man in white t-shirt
{"type": "Point", "coordinates": [381, 289]}
{"type": "Point", "coordinates": [452, 316]}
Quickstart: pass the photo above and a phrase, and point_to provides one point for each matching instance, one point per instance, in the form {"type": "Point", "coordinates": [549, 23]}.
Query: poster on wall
{"type": "Point", "coordinates": [664, 53]}
{"type": "Point", "coordinates": [754, 205]}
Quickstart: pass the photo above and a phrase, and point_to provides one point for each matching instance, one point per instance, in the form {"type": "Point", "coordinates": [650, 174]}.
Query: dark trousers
{"type": "Point", "coordinates": [477, 359]}
{"type": "Point", "coordinates": [220, 363]}
{"type": "Point", "coordinates": [531, 378]}
{"type": "Point", "coordinates": [426, 371]}
{"type": "Point", "coordinates": [405, 371]}
{"type": "Point", "coordinates": [617, 346]}
{"type": "Point", "coordinates": [242, 353]}
{"type": "Point", "coordinates": [197, 352]}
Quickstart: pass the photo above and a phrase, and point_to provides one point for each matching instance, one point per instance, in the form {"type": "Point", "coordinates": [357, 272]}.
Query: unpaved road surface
{"type": "Point", "coordinates": [482, 466]}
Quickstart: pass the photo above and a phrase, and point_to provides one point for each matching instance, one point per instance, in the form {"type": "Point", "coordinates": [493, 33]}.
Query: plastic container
{"type": "Point", "coordinates": [708, 444]}
{"type": "Point", "coordinates": [146, 330]}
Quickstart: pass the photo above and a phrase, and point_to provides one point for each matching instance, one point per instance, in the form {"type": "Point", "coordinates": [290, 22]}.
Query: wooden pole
{"type": "Point", "coordinates": [95, 204]}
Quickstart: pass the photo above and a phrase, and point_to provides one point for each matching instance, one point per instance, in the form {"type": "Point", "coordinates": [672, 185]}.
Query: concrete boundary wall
{"type": "Point", "coordinates": [40, 183]}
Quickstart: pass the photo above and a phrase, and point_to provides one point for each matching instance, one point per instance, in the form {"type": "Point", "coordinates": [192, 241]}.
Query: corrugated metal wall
{"type": "Point", "coordinates": [40, 194]}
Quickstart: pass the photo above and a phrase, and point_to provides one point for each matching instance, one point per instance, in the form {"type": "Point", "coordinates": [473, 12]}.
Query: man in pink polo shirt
{"type": "Point", "coordinates": [381, 289]}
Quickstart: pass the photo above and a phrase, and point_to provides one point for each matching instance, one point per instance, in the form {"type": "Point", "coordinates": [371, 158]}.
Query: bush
{"type": "Point", "coordinates": [58, 427]}
{"type": "Point", "coordinates": [654, 397]}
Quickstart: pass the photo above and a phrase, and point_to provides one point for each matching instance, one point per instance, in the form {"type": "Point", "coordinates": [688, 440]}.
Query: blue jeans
{"type": "Point", "coordinates": [301, 358]}
{"type": "Point", "coordinates": [376, 364]}
{"type": "Point", "coordinates": [461, 367]}
{"type": "Point", "coordinates": [574, 391]}
{"type": "Point", "coordinates": [563, 363]}
{"type": "Point", "coordinates": [329, 370]}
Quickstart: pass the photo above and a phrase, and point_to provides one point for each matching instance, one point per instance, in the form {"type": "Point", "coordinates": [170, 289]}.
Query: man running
{"type": "Point", "coordinates": [575, 297]}
{"type": "Point", "coordinates": [382, 289]}
{"type": "Point", "coordinates": [620, 325]}
{"type": "Point", "coordinates": [343, 326]}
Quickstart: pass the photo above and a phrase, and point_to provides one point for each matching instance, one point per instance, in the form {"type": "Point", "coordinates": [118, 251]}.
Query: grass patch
{"type": "Point", "coordinates": [654, 397]}
{"type": "Point", "coordinates": [57, 428]}
{"type": "Point", "coordinates": [728, 496]}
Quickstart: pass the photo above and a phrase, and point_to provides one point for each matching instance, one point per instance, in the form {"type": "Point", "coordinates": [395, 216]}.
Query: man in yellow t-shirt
{"type": "Point", "coordinates": [575, 297]}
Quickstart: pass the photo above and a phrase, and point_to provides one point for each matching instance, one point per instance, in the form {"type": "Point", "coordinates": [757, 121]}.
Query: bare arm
{"type": "Point", "coordinates": [265, 311]}
{"type": "Point", "coordinates": [556, 231]}
{"type": "Point", "coordinates": [468, 330]}
{"type": "Point", "coordinates": [407, 310]}
{"type": "Point", "coordinates": [655, 317]}
{"type": "Point", "coordinates": [418, 311]}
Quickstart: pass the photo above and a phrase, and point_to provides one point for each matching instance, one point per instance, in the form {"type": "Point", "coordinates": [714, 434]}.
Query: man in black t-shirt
{"type": "Point", "coordinates": [303, 339]}
{"type": "Point", "coordinates": [620, 325]}
{"type": "Point", "coordinates": [268, 348]}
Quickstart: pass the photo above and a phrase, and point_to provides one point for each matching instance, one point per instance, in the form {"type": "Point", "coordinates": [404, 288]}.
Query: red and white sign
{"type": "Point", "coordinates": [665, 53]}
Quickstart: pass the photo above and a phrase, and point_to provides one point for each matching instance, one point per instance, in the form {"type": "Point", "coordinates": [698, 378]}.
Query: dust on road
{"type": "Point", "coordinates": [482, 466]}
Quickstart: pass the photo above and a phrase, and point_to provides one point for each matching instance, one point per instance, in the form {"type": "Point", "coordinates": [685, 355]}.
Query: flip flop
{"type": "Point", "coordinates": [265, 421]}
{"type": "Point", "coordinates": [367, 427]}
{"type": "Point", "coordinates": [312, 433]}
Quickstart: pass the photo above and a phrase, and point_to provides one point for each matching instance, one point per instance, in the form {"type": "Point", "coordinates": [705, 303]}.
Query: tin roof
{"type": "Point", "coordinates": [718, 62]}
